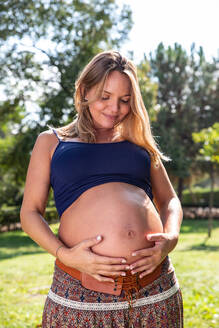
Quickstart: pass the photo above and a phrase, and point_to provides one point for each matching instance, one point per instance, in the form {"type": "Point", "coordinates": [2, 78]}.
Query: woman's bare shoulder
{"type": "Point", "coordinates": [46, 135]}
{"type": "Point", "coordinates": [45, 142]}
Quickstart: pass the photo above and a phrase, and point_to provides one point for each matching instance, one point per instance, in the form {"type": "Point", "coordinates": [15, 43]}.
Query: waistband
{"type": "Point", "coordinates": [128, 283]}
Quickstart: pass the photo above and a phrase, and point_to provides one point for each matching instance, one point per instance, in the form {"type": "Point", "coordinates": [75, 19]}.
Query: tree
{"type": "Point", "coordinates": [11, 116]}
{"type": "Point", "coordinates": [148, 89]}
{"type": "Point", "coordinates": [185, 86]}
{"type": "Point", "coordinates": [209, 152]}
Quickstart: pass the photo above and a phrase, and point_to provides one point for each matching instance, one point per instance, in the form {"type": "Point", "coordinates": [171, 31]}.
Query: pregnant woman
{"type": "Point", "coordinates": [119, 214]}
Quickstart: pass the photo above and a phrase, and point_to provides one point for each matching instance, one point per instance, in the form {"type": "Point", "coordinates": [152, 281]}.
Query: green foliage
{"type": "Point", "coordinates": [186, 87]}
{"type": "Point", "coordinates": [210, 139]}
{"type": "Point", "coordinates": [11, 214]}
{"type": "Point", "coordinates": [199, 197]}
{"type": "Point", "coordinates": [148, 89]}
{"type": "Point", "coordinates": [209, 153]}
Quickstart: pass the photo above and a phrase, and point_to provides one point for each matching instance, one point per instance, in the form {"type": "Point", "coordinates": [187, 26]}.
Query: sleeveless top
{"type": "Point", "coordinates": [77, 166]}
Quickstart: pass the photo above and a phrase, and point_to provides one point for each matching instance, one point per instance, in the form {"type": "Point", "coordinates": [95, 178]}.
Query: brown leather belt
{"type": "Point", "coordinates": [120, 283]}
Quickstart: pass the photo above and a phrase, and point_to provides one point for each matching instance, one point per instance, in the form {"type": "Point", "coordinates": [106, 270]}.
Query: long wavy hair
{"type": "Point", "coordinates": [135, 127]}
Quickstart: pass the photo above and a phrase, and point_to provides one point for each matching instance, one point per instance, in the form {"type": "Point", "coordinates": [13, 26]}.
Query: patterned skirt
{"type": "Point", "coordinates": [157, 305]}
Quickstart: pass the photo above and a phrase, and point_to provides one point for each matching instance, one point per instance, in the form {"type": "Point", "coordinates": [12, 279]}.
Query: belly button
{"type": "Point", "coordinates": [131, 234]}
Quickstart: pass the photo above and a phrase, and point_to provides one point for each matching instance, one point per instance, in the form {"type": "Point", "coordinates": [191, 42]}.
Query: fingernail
{"type": "Point", "coordinates": [133, 254]}
{"type": "Point", "coordinates": [132, 272]}
{"type": "Point", "coordinates": [131, 267]}
{"type": "Point", "coordinates": [123, 261]}
{"type": "Point", "coordinates": [98, 237]}
{"type": "Point", "coordinates": [127, 268]}
{"type": "Point", "coordinates": [123, 274]}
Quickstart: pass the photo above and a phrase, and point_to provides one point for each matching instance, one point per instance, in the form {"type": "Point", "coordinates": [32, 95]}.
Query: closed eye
{"type": "Point", "coordinates": [123, 101]}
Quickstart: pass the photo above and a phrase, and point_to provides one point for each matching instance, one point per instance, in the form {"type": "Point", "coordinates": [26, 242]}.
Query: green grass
{"type": "Point", "coordinates": [26, 275]}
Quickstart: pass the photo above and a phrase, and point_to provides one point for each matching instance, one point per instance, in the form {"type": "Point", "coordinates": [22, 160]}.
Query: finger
{"type": "Point", "coordinates": [146, 272]}
{"type": "Point", "coordinates": [141, 262]}
{"type": "Point", "coordinates": [144, 252]}
{"type": "Point", "coordinates": [87, 243]}
{"type": "Point", "coordinates": [112, 273]}
{"type": "Point", "coordinates": [102, 278]}
{"type": "Point", "coordinates": [141, 268]}
{"type": "Point", "coordinates": [112, 268]}
{"type": "Point", "coordinates": [156, 237]}
{"type": "Point", "coordinates": [99, 259]}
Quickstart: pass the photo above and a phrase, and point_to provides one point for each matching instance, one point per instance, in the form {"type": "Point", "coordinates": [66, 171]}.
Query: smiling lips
{"type": "Point", "coordinates": [110, 117]}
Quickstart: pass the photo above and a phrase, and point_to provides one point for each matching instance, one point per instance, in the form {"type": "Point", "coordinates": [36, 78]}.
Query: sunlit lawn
{"type": "Point", "coordinates": [26, 275]}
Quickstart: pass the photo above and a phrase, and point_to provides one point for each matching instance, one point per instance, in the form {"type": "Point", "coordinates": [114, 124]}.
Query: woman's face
{"type": "Point", "coordinates": [114, 104]}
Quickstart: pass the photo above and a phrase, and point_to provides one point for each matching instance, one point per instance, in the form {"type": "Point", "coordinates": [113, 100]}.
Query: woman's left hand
{"type": "Point", "coordinates": [151, 257]}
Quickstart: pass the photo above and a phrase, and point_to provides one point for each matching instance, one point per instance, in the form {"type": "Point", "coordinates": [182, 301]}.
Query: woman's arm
{"type": "Point", "coordinates": [167, 202]}
{"type": "Point", "coordinates": [171, 214]}
{"type": "Point", "coordinates": [35, 196]}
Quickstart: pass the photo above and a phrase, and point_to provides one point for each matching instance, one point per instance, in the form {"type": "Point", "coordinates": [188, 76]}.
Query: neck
{"type": "Point", "coordinates": [104, 135]}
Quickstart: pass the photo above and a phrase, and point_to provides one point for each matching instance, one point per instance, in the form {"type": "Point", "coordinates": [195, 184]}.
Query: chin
{"type": "Point", "coordinates": [105, 125]}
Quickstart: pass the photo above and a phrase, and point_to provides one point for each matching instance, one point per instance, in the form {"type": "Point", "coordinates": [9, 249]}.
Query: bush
{"type": "Point", "coordinates": [199, 197]}
{"type": "Point", "coordinates": [11, 215]}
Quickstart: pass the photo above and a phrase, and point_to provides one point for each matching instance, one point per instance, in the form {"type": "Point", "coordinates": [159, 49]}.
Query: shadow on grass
{"type": "Point", "coordinates": [5, 256]}
{"type": "Point", "coordinates": [16, 243]}
{"type": "Point", "coordinates": [202, 247]}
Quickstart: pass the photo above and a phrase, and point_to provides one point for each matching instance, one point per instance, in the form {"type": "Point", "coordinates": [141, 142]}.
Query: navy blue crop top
{"type": "Point", "coordinates": [78, 166]}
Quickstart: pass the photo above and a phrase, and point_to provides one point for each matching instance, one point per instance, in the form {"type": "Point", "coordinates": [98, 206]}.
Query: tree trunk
{"type": "Point", "coordinates": [180, 188]}
{"type": "Point", "coordinates": [211, 200]}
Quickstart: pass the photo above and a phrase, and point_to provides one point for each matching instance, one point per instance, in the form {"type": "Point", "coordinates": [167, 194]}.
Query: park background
{"type": "Point", "coordinates": [44, 45]}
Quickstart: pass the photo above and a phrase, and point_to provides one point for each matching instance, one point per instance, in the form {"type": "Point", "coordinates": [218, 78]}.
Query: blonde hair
{"type": "Point", "coordinates": [136, 125]}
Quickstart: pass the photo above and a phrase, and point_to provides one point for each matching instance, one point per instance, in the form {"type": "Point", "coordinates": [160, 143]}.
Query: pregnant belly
{"type": "Point", "coordinates": [121, 213]}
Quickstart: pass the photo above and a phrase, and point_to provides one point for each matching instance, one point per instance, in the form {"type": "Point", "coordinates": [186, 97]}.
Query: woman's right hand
{"type": "Point", "coordinates": [83, 259]}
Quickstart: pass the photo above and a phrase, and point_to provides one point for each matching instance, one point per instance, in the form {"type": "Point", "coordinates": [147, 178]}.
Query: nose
{"type": "Point", "coordinates": [114, 107]}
